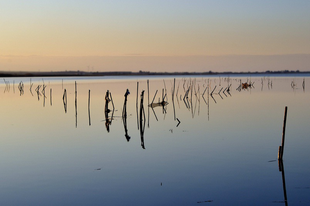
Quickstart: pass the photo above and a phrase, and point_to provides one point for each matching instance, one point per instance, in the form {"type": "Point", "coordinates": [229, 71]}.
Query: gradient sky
{"type": "Point", "coordinates": [75, 28]}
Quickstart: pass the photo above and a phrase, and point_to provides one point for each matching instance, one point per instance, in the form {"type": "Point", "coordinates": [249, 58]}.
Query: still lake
{"type": "Point", "coordinates": [74, 148]}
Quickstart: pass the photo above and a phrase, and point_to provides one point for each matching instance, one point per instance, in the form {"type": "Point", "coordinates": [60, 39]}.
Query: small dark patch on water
{"type": "Point", "coordinates": [303, 188]}
{"type": "Point", "coordinates": [272, 160]}
{"type": "Point", "coordinates": [205, 201]}
{"type": "Point", "coordinates": [278, 202]}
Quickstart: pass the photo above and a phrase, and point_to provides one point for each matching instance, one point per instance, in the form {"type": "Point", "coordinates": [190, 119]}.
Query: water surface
{"type": "Point", "coordinates": [218, 149]}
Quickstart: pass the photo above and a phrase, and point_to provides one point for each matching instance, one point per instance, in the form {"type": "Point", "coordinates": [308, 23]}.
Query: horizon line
{"type": "Point", "coordinates": [141, 55]}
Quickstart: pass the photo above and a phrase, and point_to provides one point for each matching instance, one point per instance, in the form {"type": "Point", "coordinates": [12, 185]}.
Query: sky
{"type": "Point", "coordinates": [155, 35]}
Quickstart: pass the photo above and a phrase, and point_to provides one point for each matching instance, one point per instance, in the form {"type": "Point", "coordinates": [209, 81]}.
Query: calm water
{"type": "Point", "coordinates": [201, 150]}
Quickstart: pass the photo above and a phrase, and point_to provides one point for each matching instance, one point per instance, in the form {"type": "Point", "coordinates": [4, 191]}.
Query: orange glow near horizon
{"type": "Point", "coordinates": [60, 33]}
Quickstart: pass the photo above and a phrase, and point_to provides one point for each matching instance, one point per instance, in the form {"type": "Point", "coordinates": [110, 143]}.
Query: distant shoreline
{"type": "Point", "coordinates": [140, 73]}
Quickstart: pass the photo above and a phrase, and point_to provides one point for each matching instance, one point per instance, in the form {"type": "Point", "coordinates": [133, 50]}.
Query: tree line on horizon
{"type": "Point", "coordinates": [127, 73]}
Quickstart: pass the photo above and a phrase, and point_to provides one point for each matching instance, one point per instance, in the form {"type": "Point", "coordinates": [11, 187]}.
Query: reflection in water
{"type": "Point", "coordinates": [21, 88]}
{"type": "Point", "coordinates": [177, 94]}
{"type": "Point", "coordinates": [303, 84]}
{"type": "Point", "coordinates": [211, 94]}
{"type": "Point", "coordinates": [281, 169]}
{"type": "Point", "coordinates": [64, 99]}
{"type": "Point", "coordinates": [124, 115]}
{"type": "Point", "coordinates": [38, 91]}
{"type": "Point", "coordinates": [203, 97]}
{"type": "Point", "coordinates": [269, 84]}
{"type": "Point", "coordinates": [179, 122]}
{"type": "Point", "coordinates": [108, 99]}
{"type": "Point", "coordinates": [44, 97]}
{"type": "Point", "coordinates": [30, 88]}
{"type": "Point", "coordinates": [107, 111]}
{"type": "Point", "coordinates": [161, 103]}
{"type": "Point", "coordinates": [75, 104]}
{"type": "Point", "coordinates": [185, 98]}
{"type": "Point", "coordinates": [293, 85]}
{"type": "Point", "coordinates": [172, 99]}
{"type": "Point", "coordinates": [148, 102]}
{"type": "Point", "coordinates": [152, 107]}
{"type": "Point", "coordinates": [193, 91]}
{"type": "Point", "coordinates": [191, 96]}
{"type": "Point", "coordinates": [197, 100]}
{"type": "Point", "coordinates": [51, 97]}
{"type": "Point", "coordinates": [164, 90]}
{"type": "Point", "coordinates": [142, 120]}
{"type": "Point", "coordinates": [137, 105]}
{"type": "Point", "coordinates": [219, 93]}
{"type": "Point", "coordinates": [89, 120]}
{"type": "Point", "coordinates": [213, 98]}
{"type": "Point", "coordinates": [43, 93]}
{"type": "Point", "coordinates": [246, 86]}
{"type": "Point", "coordinates": [228, 90]}
{"type": "Point", "coordinates": [7, 86]}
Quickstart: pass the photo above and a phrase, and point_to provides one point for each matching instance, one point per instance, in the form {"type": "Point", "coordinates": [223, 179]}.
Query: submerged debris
{"type": "Point", "coordinates": [205, 201]}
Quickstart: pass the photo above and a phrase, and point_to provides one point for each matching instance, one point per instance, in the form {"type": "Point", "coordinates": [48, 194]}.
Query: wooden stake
{"type": "Point", "coordinates": [64, 99]}
{"type": "Point", "coordinates": [148, 103]}
{"type": "Point", "coordinates": [51, 95]}
{"type": "Point", "coordinates": [75, 105]}
{"type": "Point", "coordinates": [281, 148]}
{"type": "Point", "coordinates": [173, 91]}
{"type": "Point", "coordinates": [137, 105]}
{"type": "Point", "coordinates": [89, 120]}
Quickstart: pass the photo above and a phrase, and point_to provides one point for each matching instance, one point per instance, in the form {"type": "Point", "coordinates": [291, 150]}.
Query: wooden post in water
{"type": "Point", "coordinates": [142, 120]}
{"type": "Point", "coordinates": [208, 99]}
{"type": "Point", "coordinates": [281, 148]}
{"type": "Point", "coordinates": [124, 116]}
{"type": "Point", "coordinates": [64, 99]}
{"type": "Point", "coordinates": [303, 84]}
{"type": "Point", "coordinates": [137, 105]}
{"type": "Point", "coordinates": [148, 103]}
{"type": "Point", "coordinates": [89, 98]}
{"type": "Point", "coordinates": [173, 93]}
{"type": "Point", "coordinates": [51, 95]}
{"type": "Point", "coordinates": [89, 120]}
{"type": "Point", "coordinates": [75, 104]}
